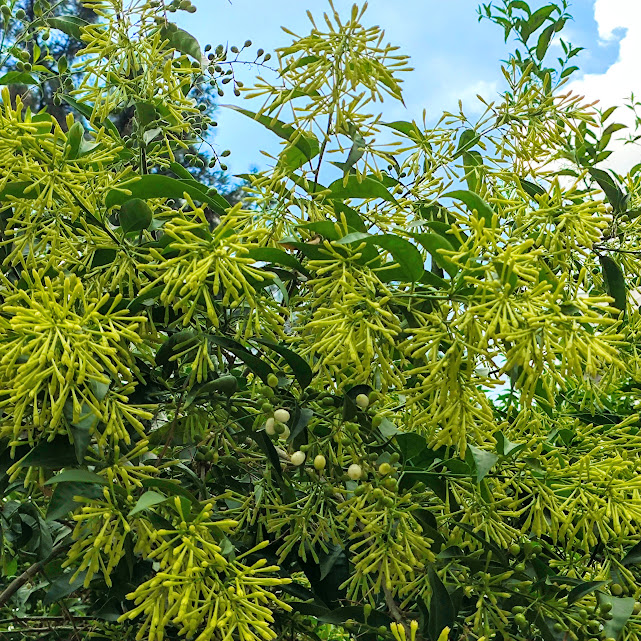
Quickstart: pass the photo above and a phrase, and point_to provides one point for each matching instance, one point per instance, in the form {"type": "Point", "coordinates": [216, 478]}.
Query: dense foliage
{"type": "Point", "coordinates": [271, 419]}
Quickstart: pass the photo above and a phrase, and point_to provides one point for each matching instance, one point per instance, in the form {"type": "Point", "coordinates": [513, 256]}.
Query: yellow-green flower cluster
{"type": "Point", "coordinates": [198, 587]}
{"type": "Point", "coordinates": [60, 345]}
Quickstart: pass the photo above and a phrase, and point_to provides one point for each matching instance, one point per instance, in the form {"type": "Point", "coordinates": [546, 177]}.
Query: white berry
{"type": "Point", "coordinates": [354, 471]}
{"type": "Point", "coordinates": [362, 400]}
{"type": "Point", "coordinates": [269, 426]}
{"type": "Point", "coordinates": [298, 458]}
{"type": "Point", "coordinates": [281, 415]}
{"type": "Point", "coordinates": [320, 462]}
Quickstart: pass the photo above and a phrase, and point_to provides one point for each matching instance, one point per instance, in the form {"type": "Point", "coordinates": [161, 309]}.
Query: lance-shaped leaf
{"type": "Point", "coordinates": [612, 192]}
{"type": "Point", "coordinates": [352, 187]}
{"type": "Point", "coordinates": [403, 252]}
{"type": "Point", "coordinates": [614, 281]}
{"type": "Point", "coordinates": [473, 202]}
{"type": "Point", "coordinates": [304, 146]}
{"type": "Point", "coordinates": [158, 186]}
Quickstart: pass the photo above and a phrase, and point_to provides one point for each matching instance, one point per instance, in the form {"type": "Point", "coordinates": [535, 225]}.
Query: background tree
{"type": "Point", "coordinates": [271, 419]}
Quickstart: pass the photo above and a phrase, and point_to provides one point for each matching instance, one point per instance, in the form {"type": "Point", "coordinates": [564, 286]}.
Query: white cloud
{"type": "Point", "coordinates": [614, 86]}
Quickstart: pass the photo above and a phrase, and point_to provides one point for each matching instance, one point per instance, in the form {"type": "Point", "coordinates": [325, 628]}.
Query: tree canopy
{"type": "Point", "coordinates": [392, 394]}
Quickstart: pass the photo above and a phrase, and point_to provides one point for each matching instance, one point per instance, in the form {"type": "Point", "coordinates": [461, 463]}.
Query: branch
{"type": "Point", "coordinates": [30, 572]}
{"type": "Point", "coordinates": [397, 614]}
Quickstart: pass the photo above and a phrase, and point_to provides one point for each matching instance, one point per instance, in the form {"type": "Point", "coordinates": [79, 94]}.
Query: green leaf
{"type": "Point", "coordinates": [62, 500]}
{"type": "Point", "coordinates": [53, 455]}
{"type": "Point", "coordinates": [305, 143]}
{"type": "Point", "coordinates": [409, 129]}
{"type": "Point", "coordinates": [583, 589]}
{"type": "Point", "coordinates": [17, 190]}
{"type": "Point", "coordinates": [61, 587]}
{"type": "Point", "coordinates": [505, 447]}
{"type": "Point", "coordinates": [466, 141]}
{"type": "Point", "coordinates": [613, 128]}
{"type": "Point", "coordinates": [352, 217]}
{"type": "Point", "coordinates": [472, 160]}
{"type": "Point", "coordinates": [410, 444]}
{"type": "Point", "coordinates": [324, 228]}
{"type": "Point", "coordinates": [613, 194]}
{"type": "Point", "coordinates": [441, 607]}
{"type": "Point", "coordinates": [568, 71]}
{"type": "Point", "coordinates": [76, 476]}
{"type": "Point", "coordinates": [403, 252]}
{"type": "Point", "coordinates": [530, 188]}
{"type": "Point", "coordinates": [18, 78]}
{"type": "Point", "coordinates": [277, 256]}
{"type": "Point", "coordinates": [434, 242]}
{"type": "Point", "coordinates": [328, 561]}
{"type": "Point", "coordinates": [255, 363]}
{"type": "Point", "coordinates": [528, 27]}
{"type": "Point", "coordinates": [473, 202]}
{"type": "Point", "coordinates": [633, 556]}
{"type": "Point", "coordinates": [184, 42]}
{"type": "Point", "coordinates": [87, 111]}
{"type": "Point", "coordinates": [543, 43]}
{"type": "Point", "coordinates": [621, 611]}
{"type": "Point", "coordinates": [484, 461]}
{"type": "Point", "coordinates": [159, 186]}
{"type": "Point", "coordinates": [614, 281]}
{"type": "Point", "coordinates": [355, 188]}
{"type": "Point", "coordinates": [135, 215]}
{"type": "Point", "coordinates": [170, 487]}
{"type": "Point", "coordinates": [302, 371]}
{"type": "Point", "coordinates": [70, 25]}
{"type": "Point", "coordinates": [147, 500]}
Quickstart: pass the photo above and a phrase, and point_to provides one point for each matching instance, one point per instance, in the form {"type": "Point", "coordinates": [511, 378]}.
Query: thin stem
{"type": "Point", "coordinates": [30, 572]}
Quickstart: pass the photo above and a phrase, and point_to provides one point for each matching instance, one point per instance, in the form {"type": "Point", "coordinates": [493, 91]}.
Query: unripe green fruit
{"type": "Point", "coordinates": [517, 609]}
{"type": "Point", "coordinates": [515, 549]}
{"type": "Point", "coordinates": [355, 472]}
{"type": "Point", "coordinates": [298, 458]}
{"type": "Point", "coordinates": [377, 494]}
{"type": "Point", "coordinates": [320, 462]}
{"type": "Point", "coordinates": [376, 421]}
{"type": "Point", "coordinates": [391, 484]}
{"type": "Point", "coordinates": [284, 435]}
{"type": "Point", "coordinates": [272, 380]}
{"type": "Point", "coordinates": [384, 469]}
{"type": "Point", "coordinates": [266, 408]}
{"type": "Point", "coordinates": [281, 415]}
{"type": "Point", "coordinates": [616, 589]}
{"type": "Point", "coordinates": [279, 427]}
{"type": "Point", "coordinates": [558, 627]}
{"type": "Point", "coordinates": [605, 607]}
{"type": "Point", "coordinates": [519, 567]}
{"type": "Point", "coordinates": [637, 608]}
{"type": "Point", "coordinates": [328, 401]}
{"type": "Point", "coordinates": [362, 400]}
{"type": "Point", "coordinates": [520, 620]}
{"type": "Point", "coordinates": [394, 458]}
{"type": "Point", "coordinates": [266, 391]}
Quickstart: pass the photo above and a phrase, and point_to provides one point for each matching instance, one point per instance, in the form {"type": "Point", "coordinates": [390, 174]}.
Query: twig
{"type": "Point", "coordinates": [30, 572]}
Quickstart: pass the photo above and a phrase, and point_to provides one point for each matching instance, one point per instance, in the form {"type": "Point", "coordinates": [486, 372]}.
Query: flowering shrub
{"type": "Point", "coordinates": [390, 395]}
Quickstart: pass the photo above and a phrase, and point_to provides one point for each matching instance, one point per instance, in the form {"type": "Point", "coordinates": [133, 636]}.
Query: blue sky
{"type": "Point", "coordinates": [454, 55]}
